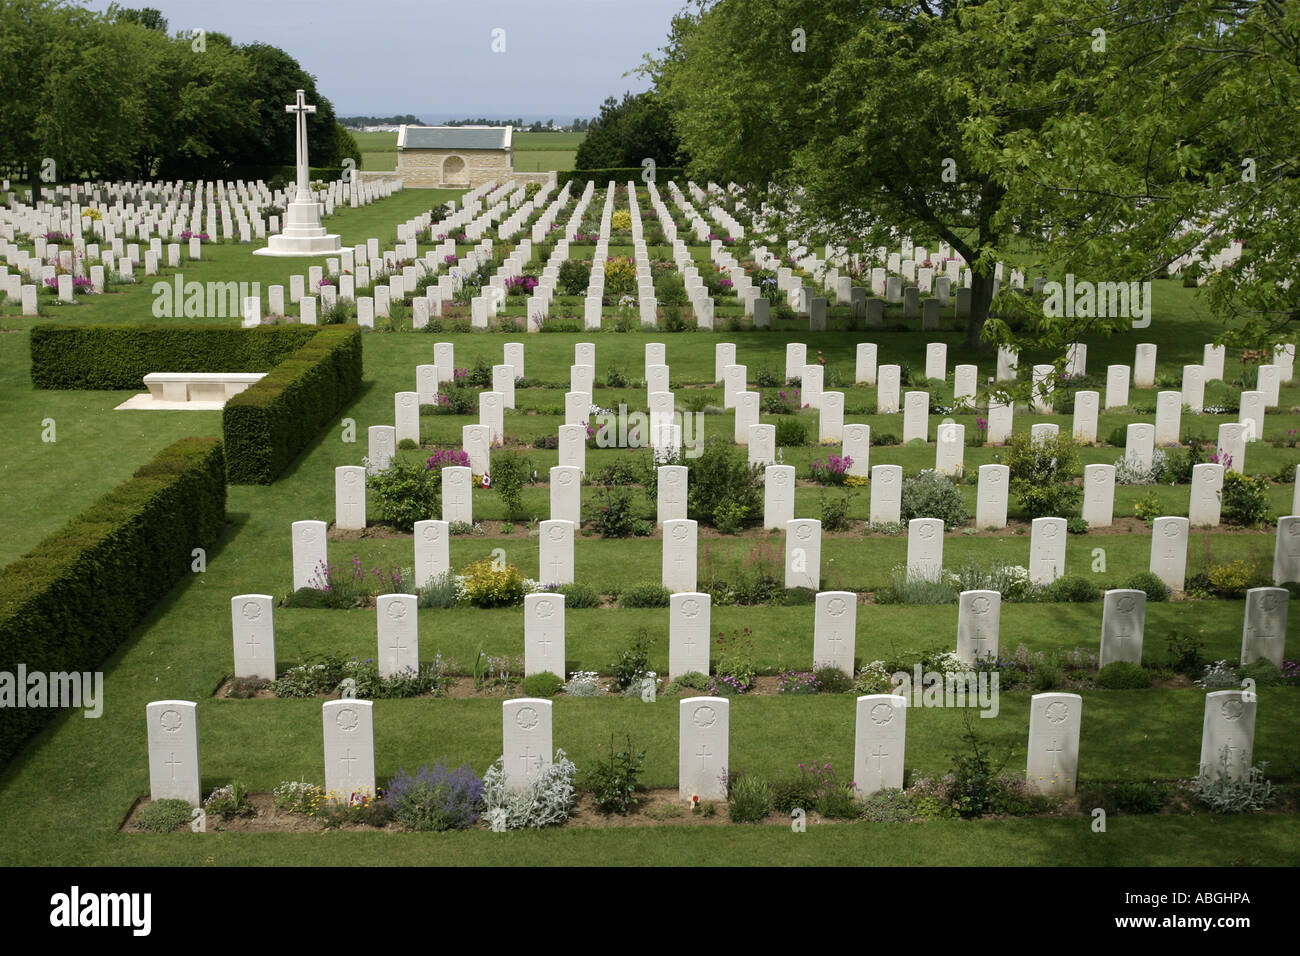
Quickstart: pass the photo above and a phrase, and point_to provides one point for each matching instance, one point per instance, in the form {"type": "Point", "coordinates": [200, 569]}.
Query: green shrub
{"type": "Point", "coordinates": [1140, 798]}
{"type": "Point", "coordinates": [613, 514]}
{"type": "Point", "coordinates": [163, 816]}
{"type": "Point", "coordinates": [888, 806]}
{"type": "Point", "coordinates": [614, 785]}
{"type": "Point", "coordinates": [721, 475]}
{"type": "Point", "coordinates": [633, 662]}
{"type": "Point", "coordinates": [1149, 581]}
{"type": "Point", "coordinates": [407, 492]}
{"type": "Point", "coordinates": [749, 800]}
{"type": "Point", "coordinates": [489, 586]}
{"type": "Point", "coordinates": [1072, 588]}
{"type": "Point", "coordinates": [1042, 473]}
{"type": "Point", "coordinates": [1186, 653]}
{"type": "Point", "coordinates": [644, 594]}
{"type": "Point", "coordinates": [69, 602]}
{"type": "Point", "coordinates": [832, 680]}
{"type": "Point", "coordinates": [229, 802]}
{"type": "Point", "coordinates": [791, 433]}
{"type": "Point", "coordinates": [837, 802]}
{"type": "Point", "coordinates": [1245, 499]}
{"type": "Point", "coordinates": [542, 684]}
{"type": "Point", "coordinates": [574, 277]}
{"type": "Point", "coordinates": [932, 495]}
{"type": "Point", "coordinates": [835, 513]}
{"type": "Point", "coordinates": [1223, 792]}
{"type": "Point", "coordinates": [1076, 525]}
{"type": "Point", "coordinates": [1124, 675]}
{"type": "Point", "coordinates": [436, 592]}
{"type": "Point", "coordinates": [1263, 672]}
{"type": "Point", "coordinates": [510, 472]}
{"type": "Point", "coordinates": [579, 596]}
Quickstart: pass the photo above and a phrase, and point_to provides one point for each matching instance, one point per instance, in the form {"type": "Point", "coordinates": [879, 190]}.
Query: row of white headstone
{"type": "Point", "coordinates": [835, 624]}
{"type": "Point", "coordinates": [704, 739]}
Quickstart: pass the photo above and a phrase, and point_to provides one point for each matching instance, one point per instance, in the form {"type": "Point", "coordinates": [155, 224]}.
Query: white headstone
{"type": "Point", "coordinates": [1046, 550]}
{"type": "Point", "coordinates": [835, 625]}
{"type": "Point", "coordinates": [1117, 377]}
{"type": "Point", "coordinates": [1231, 447]}
{"type": "Point", "coordinates": [173, 737]}
{"type": "Point", "coordinates": [432, 551]}
{"type": "Point", "coordinates": [1169, 415]}
{"type": "Point", "coordinates": [566, 495]}
{"type": "Point", "coordinates": [1140, 445]}
{"type": "Point", "coordinates": [830, 424]}
{"type": "Point", "coordinates": [916, 416]}
{"type": "Point", "coordinates": [544, 634]}
{"type": "Point", "coordinates": [555, 560]}
{"type": "Point", "coordinates": [1053, 763]}
{"type": "Point", "coordinates": [1263, 633]}
{"type": "Point", "coordinates": [690, 633]}
{"type": "Point", "coordinates": [796, 357]}
{"type": "Point", "coordinates": [349, 728]}
{"type": "Point", "coordinates": [525, 740]}
{"type": "Point", "coordinates": [936, 361]}
{"type": "Point", "coordinates": [950, 449]}
{"type": "Point", "coordinates": [879, 740]}
{"type": "Point", "coordinates": [350, 498]}
{"type": "Point", "coordinates": [1286, 553]}
{"type": "Point", "coordinates": [1228, 729]}
{"type": "Point", "coordinates": [573, 446]}
{"type": "Point", "coordinates": [670, 498]}
{"type": "Point", "coordinates": [762, 445]}
{"type": "Point", "coordinates": [1144, 366]}
{"type": "Point", "coordinates": [1085, 417]}
{"type": "Point", "coordinates": [1169, 550]}
{"type": "Point", "coordinates": [865, 368]}
{"type": "Point", "coordinates": [1205, 504]}
{"type": "Point", "coordinates": [457, 500]}
{"type": "Point", "coordinates": [703, 748]}
{"type": "Point", "coordinates": [310, 556]}
{"type": "Point", "coordinates": [1123, 625]}
{"type": "Point", "coordinates": [886, 494]}
{"type": "Point", "coordinates": [1099, 495]}
{"type": "Point", "coordinates": [679, 554]}
{"type": "Point", "coordinates": [887, 389]}
{"type": "Point", "coordinates": [991, 496]}
{"type": "Point", "coordinates": [856, 446]}
{"type": "Point", "coordinates": [803, 553]}
{"type": "Point", "coordinates": [1001, 416]}
{"type": "Point", "coordinates": [778, 496]}
{"type": "Point", "coordinates": [252, 626]}
{"type": "Point", "coordinates": [399, 635]}
{"type": "Point", "coordinates": [979, 622]}
{"type": "Point", "coordinates": [925, 549]}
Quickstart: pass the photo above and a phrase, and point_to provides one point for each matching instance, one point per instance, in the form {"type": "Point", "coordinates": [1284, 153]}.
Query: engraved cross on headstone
{"type": "Point", "coordinates": [703, 754]}
{"type": "Point", "coordinates": [347, 760]}
{"type": "Point", "coordinates": [880, 753]}
{"type": "Point", "coordinates": [173, 763]}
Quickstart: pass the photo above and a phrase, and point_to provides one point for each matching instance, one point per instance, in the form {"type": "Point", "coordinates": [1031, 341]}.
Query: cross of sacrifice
{"type": "Point", "coordinates": [300, 109]}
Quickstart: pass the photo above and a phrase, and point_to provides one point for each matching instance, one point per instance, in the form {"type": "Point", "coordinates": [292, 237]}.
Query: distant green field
{"type": "Point", "coordinates": [534, 152]}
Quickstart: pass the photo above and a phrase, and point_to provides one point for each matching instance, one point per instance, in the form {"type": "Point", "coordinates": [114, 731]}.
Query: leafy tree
{"type": "Point", "coordinates": [627, 132]}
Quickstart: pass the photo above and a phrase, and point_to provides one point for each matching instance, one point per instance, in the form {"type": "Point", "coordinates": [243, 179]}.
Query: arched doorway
{"type": "Point", "coordinates": [453, 172]}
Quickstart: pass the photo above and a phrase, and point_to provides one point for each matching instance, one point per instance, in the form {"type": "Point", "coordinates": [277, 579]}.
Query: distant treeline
{"type": "Point", "coordinates": [114, 95]}
{"type": "Point", "coordinates": [354, 121]}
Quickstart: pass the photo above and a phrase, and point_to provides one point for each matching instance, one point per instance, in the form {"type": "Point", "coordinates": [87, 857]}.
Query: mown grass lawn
{"type": "Point", "coordinates": [65, 796]}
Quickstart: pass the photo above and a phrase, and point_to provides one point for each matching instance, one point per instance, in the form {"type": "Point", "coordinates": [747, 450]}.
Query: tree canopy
{"type": "Point", "coordinates": [1102, 139]}
{"type": "Point", "coordinates": [113, 95]}
{"type": "Point", "coordinates": [626, 132]}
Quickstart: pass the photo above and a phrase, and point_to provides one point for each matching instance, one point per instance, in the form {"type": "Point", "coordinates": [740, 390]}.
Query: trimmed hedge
{"type": "Point", "coordinates": [119, 356]}
{"type": "Point", "coordinates": [266, 426]}
{"type": "Point", "coordinates": [312, 374]}
{"type": "Point", "coordinates": [72, 600]}
{"type": "Point", "coordinates": [620, 174]}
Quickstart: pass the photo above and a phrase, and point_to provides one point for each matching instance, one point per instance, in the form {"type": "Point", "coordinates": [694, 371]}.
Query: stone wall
{"type": "Point", "coordinates": [427, 168]}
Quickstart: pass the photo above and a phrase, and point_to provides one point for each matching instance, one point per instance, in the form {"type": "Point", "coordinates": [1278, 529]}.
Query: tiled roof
{"type": "Point", "coordinates": [454, 137]}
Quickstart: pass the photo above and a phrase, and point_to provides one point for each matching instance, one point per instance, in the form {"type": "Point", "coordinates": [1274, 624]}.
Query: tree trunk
{"type": "Point", "coordinates": [980, 299]}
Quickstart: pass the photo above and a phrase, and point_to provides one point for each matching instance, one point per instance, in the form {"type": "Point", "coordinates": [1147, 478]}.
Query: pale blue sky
{"type": "Point", "coordinates": [382, 57]}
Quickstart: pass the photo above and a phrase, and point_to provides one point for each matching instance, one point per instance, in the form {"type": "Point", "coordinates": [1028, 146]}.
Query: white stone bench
{"type": "Point", "coordinates": [198, 386]}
